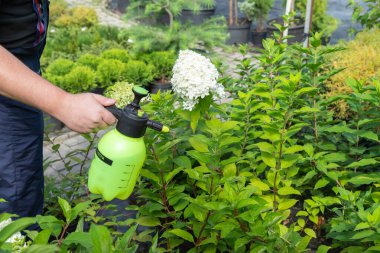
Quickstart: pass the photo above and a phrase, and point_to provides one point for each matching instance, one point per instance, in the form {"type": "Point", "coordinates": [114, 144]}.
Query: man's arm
{"type": "Point", "coordinates": [80, 112]}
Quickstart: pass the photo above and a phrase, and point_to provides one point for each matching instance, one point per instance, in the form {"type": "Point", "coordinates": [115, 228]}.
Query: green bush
{"type": "Point", "coordinates": [60, 67]}
{"type": "Point", "coordinates": [89, 60]}
{"type": "Point", "coordinates": [163, 62]}
{"type": "Point", "coordinates": [79, 79]}
{"type": "Point", "coordinates": [116, 54]}
{"type": "Point", "coordinates": [110, 71]}
{"type": "Point", "coordinates": [78, 16]}
{"type": "Point", "coordinates": [138, 73]}
{"type": "Point", "coordinates": [360, 60]}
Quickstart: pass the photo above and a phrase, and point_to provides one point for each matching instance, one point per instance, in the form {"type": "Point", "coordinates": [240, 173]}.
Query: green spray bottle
{"type": "Point", "coordinates": [121, 152]}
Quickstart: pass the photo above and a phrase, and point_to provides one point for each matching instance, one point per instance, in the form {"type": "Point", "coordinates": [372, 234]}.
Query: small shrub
{"type": "Point", "coordinates": [80, 79]}
{"type": "Point", "coordinates": [56, 9]}
{"type": "Point", "coordinates": [79, 16]}
{"type": "Point", "coordinates": [361, 60]}
{"type": "Point", "coordinates": [138, 73]}
{"type": "Point", "coordinates": [89, 60]}
{"type": "Point", "coordinates": [116, 54]}
{"type": "Point", "coordinates": [110, 71]}
{"type": "Point", "coordinates": [60, 67]}
{"type": "Point", "coordinates": [121, 92]}
{"type": "Point", "coordinates": [163, 62]}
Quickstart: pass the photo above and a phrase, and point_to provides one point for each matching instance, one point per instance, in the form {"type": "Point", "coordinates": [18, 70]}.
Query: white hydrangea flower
{"type": "Point", "coordinates": [17, 240]}
{"type": "Point", "coordinates": [195, 77]}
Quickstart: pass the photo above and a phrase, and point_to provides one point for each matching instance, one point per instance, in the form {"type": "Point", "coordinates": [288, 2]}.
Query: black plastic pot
{"type": "Point", "coordinates": [238, 33]}
{"type": "Point", "coordinates": [196, 18]}
{"type": "Point", "coordinates": [155, 86]}
{"type": "Point", "coordinates": [258, 37]}
{"type": "Point", "coordinates": [297, 30]}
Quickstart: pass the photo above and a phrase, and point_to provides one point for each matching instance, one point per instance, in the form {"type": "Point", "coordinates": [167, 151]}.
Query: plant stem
{"type": "Point", "coordinates": [63, 234]}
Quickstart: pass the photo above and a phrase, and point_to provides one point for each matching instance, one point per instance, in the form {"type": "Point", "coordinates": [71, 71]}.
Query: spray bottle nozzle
{"type": "Point", "coordinates": [157, 126]}
{"type": "Point", "coordinates": [139, 93]}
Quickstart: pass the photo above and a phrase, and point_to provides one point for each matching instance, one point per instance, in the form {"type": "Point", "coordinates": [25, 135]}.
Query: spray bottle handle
{"type": "Point", "coordinates": [115, 111]}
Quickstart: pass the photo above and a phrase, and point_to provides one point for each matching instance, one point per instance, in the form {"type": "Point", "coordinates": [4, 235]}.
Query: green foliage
{"type": "Point", "coordinates": [79, 79]}
{"type": "Point", "coordinates": [138, 72]}
{"type": "Point", "coordinates": [368, 15]}
{"type": "Point", "coordinates": [60, 67]}
{"type": "Point", "coordinates": [153, 36]}
{"type": "Point", "coordinates": [78, 16]}
{"type": "Point", "coordinates": [116, 54]}
{"type": "Point", "coordinates": [163, 62]}
{"type": "Point", "coordinates": [89, 60]}
{"type": "Point", "coordinates": [110, 71]}
{"type": "Point", "coordinates": [180, 36]}
{"type": "Point", "coordinates": [257, 10]}
{"type": "Point", "coordinates": [361, 61]}
{"type": "Point", "coordinates": [321, 21]}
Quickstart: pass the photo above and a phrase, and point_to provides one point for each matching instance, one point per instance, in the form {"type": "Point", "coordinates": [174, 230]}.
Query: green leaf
{"type": "Point", "coordinates": [148, 221]}
{"type": "Point", "coordinates": [339, 129]}
{"type": "Point", "coordinates": [81, 238]}
{"type": "Point", "coordinates": [194, 116]}
{"type": "Point", "coordinates": [363, 234]}
{"type": "Point", "coordinates": [101, 239]}
{"type": "Point", "coordinates": [183, 234]}
{"type": "Point", "coordinates": [43, 236]}
{"type": "Point", "coordinates": [364, 179]}
{"type": "Point", "coordinates": [126, 238]}
{"type": "Point", "coordinates": [14, 227]}
{"type": "Point", "coordinates": [41, 249]}
{"type": "Point", "coordinates": [309, 149]}
{"type": "Point", "coordinates": [362, 225]}
{"type": "Point", "coordinates": [183, 161]}
{"type": "Point", "coordinates": [293, 149]}
{"type": "Point", "coordinates": [323, 249]}
{"type": "Point", "coordinates": [198, 145]}
{"type": "Point", "coordinates": [240, 242]}
{"type": "Point", "coordinates": [362, 163]}
{"type": "Point", "coordinates": [66, 208]}
{"type": "Point", "coordinates": [288, 190]}
{"type": "Point", "coordinates": [259, 184]}
{"type": "Point", "coordinates": [321, 183]}
{"type": "Point", "coordinates": [268, 159]}
{"type": "Point", "coordinates": [229, 170]}
{"type": "Point", "coordinates": [369, 135]}
{"type": "Point", "coordinates": [286, 204]}
{"type": "Point", "coordinates": [289, 160]}
{"type": "Point", "coordinates": [375, 248]}
{"type": "Point", "coordinates": [150, 175]}
{"type": "Point", "coordinates": [310, 232]}
{"type": "Point", "coordinates": [226, 227]}
{"type": "Point", "coordinates": [265, 147]}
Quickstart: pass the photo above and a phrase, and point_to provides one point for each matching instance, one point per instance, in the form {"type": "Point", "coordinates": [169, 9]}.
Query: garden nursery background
{"type": "Point", "coordinates": [274, 147]}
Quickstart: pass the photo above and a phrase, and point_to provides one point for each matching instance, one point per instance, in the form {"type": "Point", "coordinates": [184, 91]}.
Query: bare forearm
{"type": "Point", "coordinates": [20, 83]}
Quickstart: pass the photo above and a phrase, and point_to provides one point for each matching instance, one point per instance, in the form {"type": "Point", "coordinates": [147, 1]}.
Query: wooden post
{"type": "Point", "coordinates": [308, 20]}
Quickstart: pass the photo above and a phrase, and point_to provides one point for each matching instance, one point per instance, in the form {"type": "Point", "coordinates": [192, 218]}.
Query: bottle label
{"type": "Point", "coordinates": [103, 157]}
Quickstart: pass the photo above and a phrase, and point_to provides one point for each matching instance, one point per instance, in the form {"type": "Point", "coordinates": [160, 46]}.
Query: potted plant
{"type": "Point", "coordinates": [237, 28]}
{"type": "Point", "coordinates": [257, 10]}
{"type": "Point", "coordinates": [163, 62]}
{"type": "Point", "coordinates": [197, 12]}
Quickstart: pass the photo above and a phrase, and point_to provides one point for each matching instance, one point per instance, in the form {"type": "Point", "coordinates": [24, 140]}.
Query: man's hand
{"type": "Point", "coordinates": [85, 112]}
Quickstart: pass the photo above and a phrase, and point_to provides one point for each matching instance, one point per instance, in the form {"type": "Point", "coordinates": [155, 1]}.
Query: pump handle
{"type": "Point", "coordinates": [139, 93]}
{"type": "Point", "coordinates": [117, 112]}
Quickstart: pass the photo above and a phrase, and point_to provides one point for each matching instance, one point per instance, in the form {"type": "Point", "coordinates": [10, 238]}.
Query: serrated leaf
{"type": "Point", "coordinates": [229, 170]}
{"type": "Point", "coordinates": [183, 234]}
{"type": "Point", "coordinates": [362, 225]}
{"type": "Point", "coordinates": [268, 159]}
{"type": "Point", "coordinates": [149, 174]}
{"type": "Point", "coordinates": [259, 184]}
{"type": "Point", "coordinates": [293, 149]}
{"type": "Point", "coordinates": [265, 147]}
{"type": "Point", "coordinates": [66, 208]}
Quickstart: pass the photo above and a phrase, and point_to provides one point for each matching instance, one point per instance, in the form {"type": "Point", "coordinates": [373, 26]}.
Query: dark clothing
{"type": "Point", "coordinates": [21, 126]}
{"type": "Point", "coordinates": [21, 23]}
